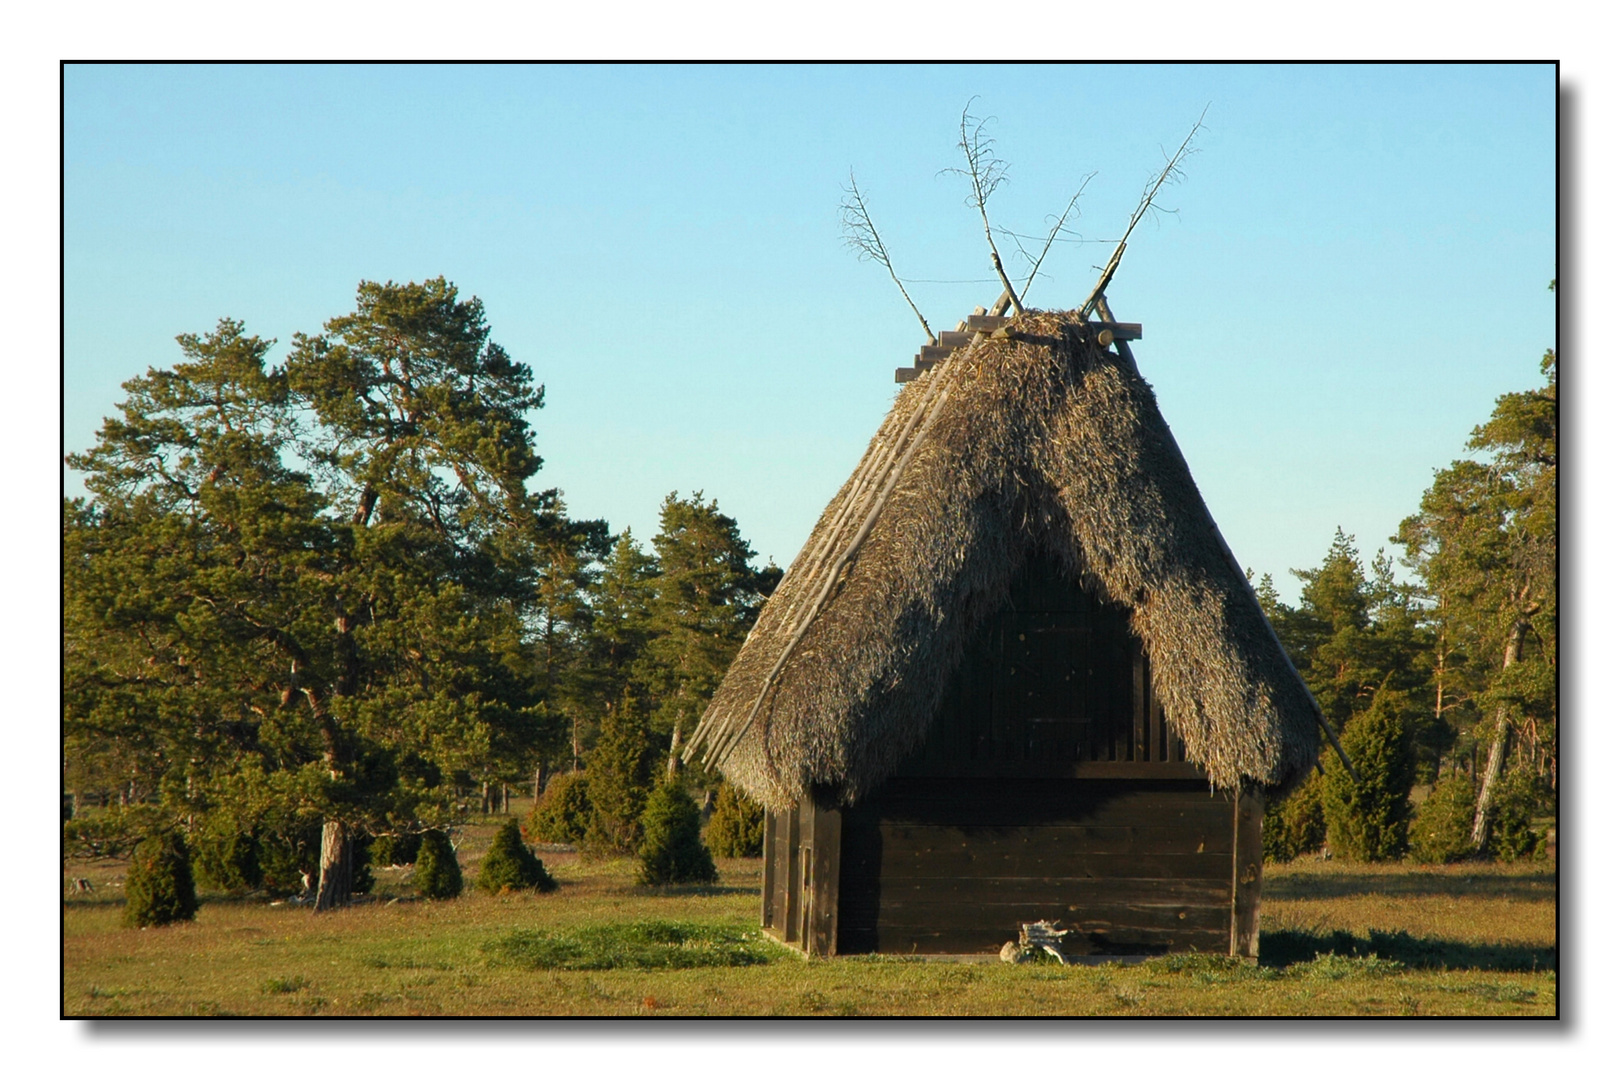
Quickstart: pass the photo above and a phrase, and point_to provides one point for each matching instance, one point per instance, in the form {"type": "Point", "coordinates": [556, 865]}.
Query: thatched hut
{"type": "Point", "coordinates": [1015, 674]}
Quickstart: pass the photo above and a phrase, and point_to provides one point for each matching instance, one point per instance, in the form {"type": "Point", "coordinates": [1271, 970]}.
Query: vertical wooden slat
{"type": "Point", "coordinates": [807, 855]}
{"type": "Point", "coordinates": [1125, 681]}
{"type": "Point", "coordinates": [1248, 815]}
{"type": "Point", "coordinates": [793, 885]}
{"type": "Point", "coordinates": [767, 894]}
{"type": "Point", "coordinates": [826, 827]}
{"type": "Point", "coordinates": [1139, 702]}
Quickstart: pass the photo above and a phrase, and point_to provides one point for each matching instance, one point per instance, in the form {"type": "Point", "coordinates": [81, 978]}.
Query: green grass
{"type": "Point", "coordinates": [644, 945]}
{"type": "Point", "coordinates": [1336, 939]}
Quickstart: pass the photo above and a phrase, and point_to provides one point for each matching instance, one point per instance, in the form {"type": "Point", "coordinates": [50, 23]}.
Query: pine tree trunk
{"type": "Point", "coordinates": [539, 782]}
{"type": "Point", "coordinates": [337, 867]}
{"type": "Point", "coordinates": [1493, 764]}
{"type": "Point", "coordinates": [674, 751]}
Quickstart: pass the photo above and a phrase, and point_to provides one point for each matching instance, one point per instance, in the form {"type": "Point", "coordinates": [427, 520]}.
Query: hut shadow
{"type": "Point", "coordinates": [1279, 948]}
{"type": "Point", "coordinates": [1540, 886]}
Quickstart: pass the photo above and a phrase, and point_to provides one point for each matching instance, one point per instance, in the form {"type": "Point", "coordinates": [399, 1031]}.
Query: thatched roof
{"type": "Point", "coordinates": [1038, 442]}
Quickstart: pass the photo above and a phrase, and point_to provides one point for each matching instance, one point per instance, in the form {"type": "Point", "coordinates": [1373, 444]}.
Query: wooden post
{"type": "Point", "coordinates": [1248, 816]}
{"type": "Point", "coordinates": [821, 900]}
{"type": "Point", "coordinates": [768, 892]}
{"type": "Point", "coordinates": [793, 884]}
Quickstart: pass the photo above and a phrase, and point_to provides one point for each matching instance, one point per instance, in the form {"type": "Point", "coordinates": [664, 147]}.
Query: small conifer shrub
{"type": "Point", "coordinates": [737, 826]}
{"type": "Point", "coordinates": [1367, 817]}
{"type": "Point", "coordinates": [1518, 797]}
{"type": "Point", "coordinates": [1295, 826]}
{"type": "Point", "coordinates": [159, 888]}
{"type": "Point", "coordinates": [510, 864]}
{"type": "Point", "coordinates": [672, 850]}
{"type": "Point", "coordinates": [563, 814]}
{"type": "Point", "coordinates": [438, 875]}
{"type": "Point", "coordinates": [1442, 826]}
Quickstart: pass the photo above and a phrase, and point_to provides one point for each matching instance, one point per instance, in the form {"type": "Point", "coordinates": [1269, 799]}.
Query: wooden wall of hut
{"type": "Point", "coordinates": [1049, 787]}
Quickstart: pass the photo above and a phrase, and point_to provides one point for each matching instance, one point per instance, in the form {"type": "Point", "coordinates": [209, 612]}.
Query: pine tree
{"type": "Point", "coordinates": [302, 591]}
{"type": "Point", "coordinates": [672, 851]}
{"type": "Point", "coordinates": [617, 779]}
{"type": "Point", "coordinates": [1367, 817]}
{"type": "Point", "coordinates": [617, 636]}
{"type": "Point", "coordinates": [737, 827]}
{"type": "Point", "coordinates": [438, 875]}
{"type": "Point", "coordinates": [511, 865]}
{"type": "Point", "coordinates": [703, 602]}
{"type": "Point", "coordinates": [1485, 542]}
{"type": "Point", "coordinates": [159, 888]}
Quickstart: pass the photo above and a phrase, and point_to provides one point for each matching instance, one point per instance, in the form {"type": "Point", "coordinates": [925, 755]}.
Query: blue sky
{"type": "Point", "coordinates": [1356, 269]}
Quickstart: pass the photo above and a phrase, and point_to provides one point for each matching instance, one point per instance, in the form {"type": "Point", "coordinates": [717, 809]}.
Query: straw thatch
{"type": "Point", "coordinates": [1038, 443]}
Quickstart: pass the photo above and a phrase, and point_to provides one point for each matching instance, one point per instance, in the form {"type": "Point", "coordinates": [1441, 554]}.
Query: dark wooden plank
{"type": "Point", "coordinates": [821, 938]}
{"type": "Point", "coordinates": [993, 890]}
{"type": "Point", "coordinates": [793, 880]}
{"type": "Point", "coordinates": [1030, 800]}
{"type": "Point", "coordinates": [1248, 815]}
{"type": "Point", "coordinates": [986, 323]}
{"type": "Point", "coordinates": [953, 339]}
{"type": "Point", "coordinates": [1211, 814]}
{"type": "Point", "coordinates": [905, 374]}
{"type": "Point", "coordinates": [864, 856]}
{"type": "Point", "coordinates": [922, 942]}
{"type": "Point", "coordinates": [997, 767]}
{"type": "Point", "coordinates": [1123, 331]}
{"type": "Point", "coordinates": [1103, 918]}
{"type": "Point", "coordinates": [935, 353]}
{"type": "Point", "coordinates": [945, 851]}
{"type": "Point", "coordinates": [767, 892]}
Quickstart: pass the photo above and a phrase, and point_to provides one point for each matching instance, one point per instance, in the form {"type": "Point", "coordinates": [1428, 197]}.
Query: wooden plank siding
{"type": "Point", "coordinates": [955, 866]}
{"type": "Point", "coordinates": [1056, 685]}
{"type": "Point", "coordinates": [1049, 786]}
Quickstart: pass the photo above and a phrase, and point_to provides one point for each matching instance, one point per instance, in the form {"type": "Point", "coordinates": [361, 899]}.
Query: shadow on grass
{"type": "Point", "coordinates": [1279, 948]}
{"type": "Point", "coordinates": [1541, 886]}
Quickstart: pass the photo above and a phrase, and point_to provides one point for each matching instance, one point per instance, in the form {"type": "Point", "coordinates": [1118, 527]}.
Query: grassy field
{"type": "Point", "coordinates": [1336, 939]}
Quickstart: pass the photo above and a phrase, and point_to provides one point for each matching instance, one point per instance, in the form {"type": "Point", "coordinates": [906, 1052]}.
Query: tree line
{"type": "Point", "coordinates": [313, 604]}
{"type": "Point", "coordinates": [315, 607]}
{"type": "Point", "coordinates": [1444, 687]}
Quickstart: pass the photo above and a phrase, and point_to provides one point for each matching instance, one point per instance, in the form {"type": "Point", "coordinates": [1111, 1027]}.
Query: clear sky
{"type": "Point", "coordinates": [1357, 268]}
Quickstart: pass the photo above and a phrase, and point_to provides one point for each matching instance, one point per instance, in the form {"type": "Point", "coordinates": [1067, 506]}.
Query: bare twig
{"type": "Point", "coordinates": [985, 172]}
{"type": "Point", "coordinates": [861, 234]}
{"type": "Point", "coordinates": [1171, 168]}
{"type": "Point", "coordinates": [1051, 236]}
